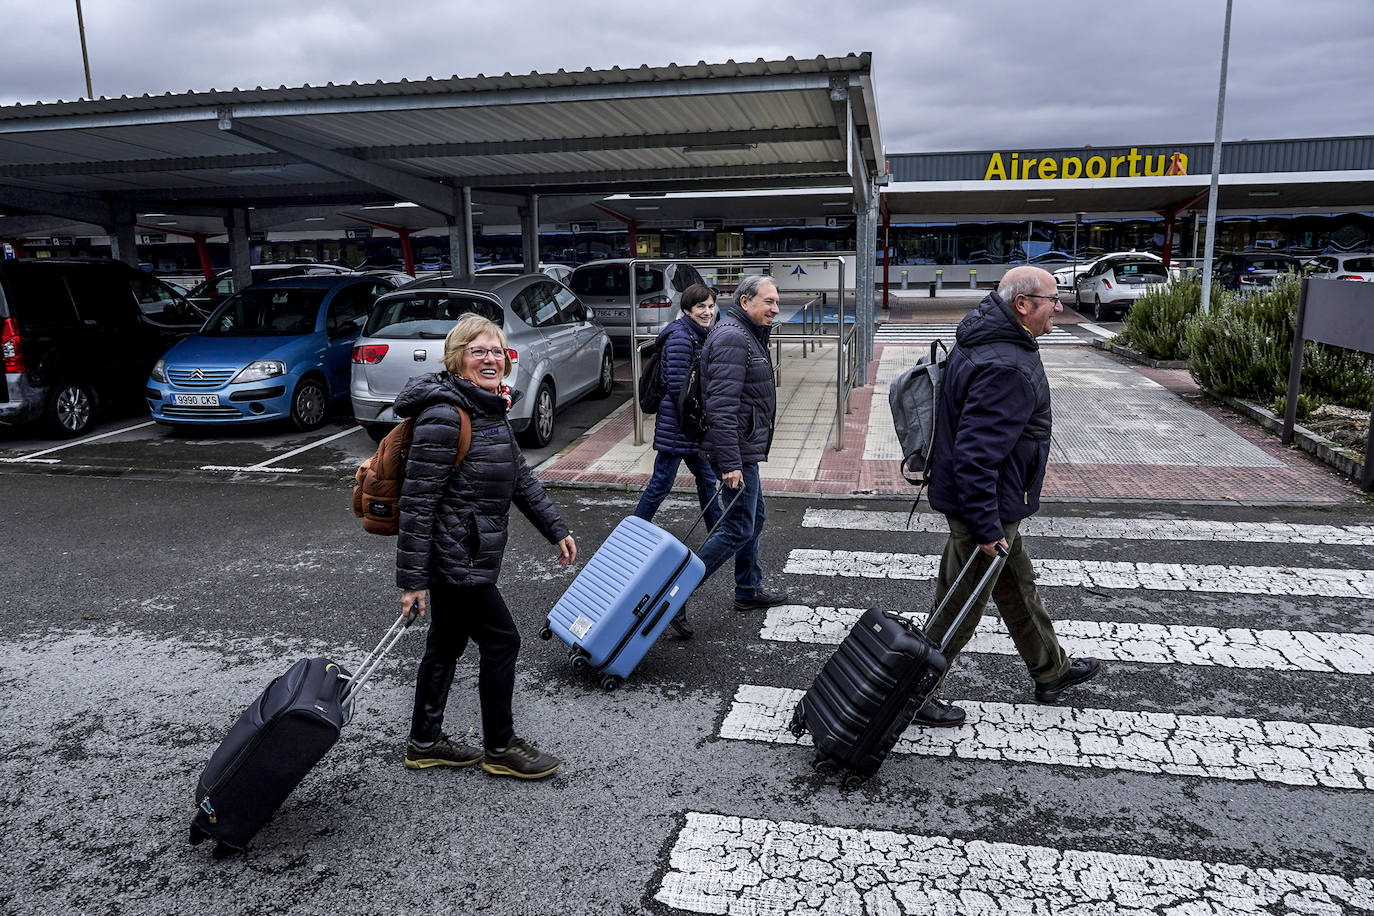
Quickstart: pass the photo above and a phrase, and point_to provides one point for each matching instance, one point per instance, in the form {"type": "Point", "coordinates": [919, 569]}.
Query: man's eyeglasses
{"type": "Point", "coordinates": [1054, 298]}
{"type": "Point", "coordinates": [481, 352]}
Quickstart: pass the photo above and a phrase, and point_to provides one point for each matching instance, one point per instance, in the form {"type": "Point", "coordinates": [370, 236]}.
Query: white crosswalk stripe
{"type": "Point", "coordinates": [1212, 747]}
{"type": "Point", "coordinates": [925, 334]}
{"type": "Point", "coordinates": [1232, 647]}
{"type": "Point", "coordinates": [725, 864]}
{"type": "Point", "coordinates": [1134, 529]}
{"type": "Point", "coordinates": [738, 865]}
{"type": "Point", "coordinates": [1243, 580]}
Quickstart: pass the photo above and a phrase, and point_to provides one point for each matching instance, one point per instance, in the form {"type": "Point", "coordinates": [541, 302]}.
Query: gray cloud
{"type": "Point", "coordinates": [969, 75]}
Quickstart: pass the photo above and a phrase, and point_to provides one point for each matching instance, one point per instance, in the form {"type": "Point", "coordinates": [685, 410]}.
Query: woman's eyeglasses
{"type": "Point", "coordinates": [481, 352]}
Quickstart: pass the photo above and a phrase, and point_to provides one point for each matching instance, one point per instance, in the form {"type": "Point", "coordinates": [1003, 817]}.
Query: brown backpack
{"type": "Point", "coordinates": [378, 481]}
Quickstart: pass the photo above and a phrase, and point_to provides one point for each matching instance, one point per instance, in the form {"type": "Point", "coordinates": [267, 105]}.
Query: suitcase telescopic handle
{"type": "Point", "coordinates": [374, 658]}
{"type": "Point", "coordinates": [984, 584]}
{"type": "Point", "coordinates": [739, 491]}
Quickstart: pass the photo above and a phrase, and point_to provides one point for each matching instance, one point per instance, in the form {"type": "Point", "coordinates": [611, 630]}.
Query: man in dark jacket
{"type": "Point", "coordinates": [989, 463]}
{"type": "Point", "coordinates": [741, 401]}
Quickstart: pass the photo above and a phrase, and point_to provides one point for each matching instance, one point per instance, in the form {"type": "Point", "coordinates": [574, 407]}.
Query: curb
{"type": "Point", "coordinates": [1342, 459]}
{"type": "Point", "coordinates": [1137, 357]}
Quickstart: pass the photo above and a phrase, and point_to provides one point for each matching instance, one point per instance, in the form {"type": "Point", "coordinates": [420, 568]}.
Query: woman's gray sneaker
{"type": "Point", "coordinates": [442, 753]}
{"type": "Point", "coordinates": [521, 760]}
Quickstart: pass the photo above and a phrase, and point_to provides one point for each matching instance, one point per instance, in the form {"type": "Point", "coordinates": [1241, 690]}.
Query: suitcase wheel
{"type": "Point", "coordinates": [798, 724]}
{"type": "Point", "coordinates": [197, 836]}
{"type": "Point", "coordinates": [824, 765]}
{"type": "Point", "coordinates": [579, 662]}
{"type": "Point", "coordinates": [222, 851]}
{"type": "Point", "coordinates": [610, 682]}
{"type": "Point", "coordinates": [546, 634]}
{"type": "Point", "coordinates": [852, 781]}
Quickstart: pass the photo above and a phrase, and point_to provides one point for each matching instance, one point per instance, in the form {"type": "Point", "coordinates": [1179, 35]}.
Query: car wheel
{"type": "Point", "coordinates": [71, 408]}
{"type": "Point", "coordinates": [309, 405]}
{"type": "Point", "coordinates": [377, 431]}
{"type": "Point", "coordinates": [1098, 313]}
{"type": "Point", "coordinates": [606, 381]}
{"type": "Point", "coordinates": [540, 431]}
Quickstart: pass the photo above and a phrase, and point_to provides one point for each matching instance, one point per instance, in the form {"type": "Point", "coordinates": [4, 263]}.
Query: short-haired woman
{"type": "Point", "coordinates": [452, 537]}
{"type": "Point", "coordinates": [679, 343]}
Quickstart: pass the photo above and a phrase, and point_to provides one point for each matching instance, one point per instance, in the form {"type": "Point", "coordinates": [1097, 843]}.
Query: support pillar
{"type": "Point", "coordinates": [460, 252]}
{"type": "Point", "coordinates": [240, 259]}
{"type": "Point", "coordinates": [529, 232]}
{"type": "Point", "coordinates": [122, 236]}
{"type": "Point", "coordinates": [887, 251]}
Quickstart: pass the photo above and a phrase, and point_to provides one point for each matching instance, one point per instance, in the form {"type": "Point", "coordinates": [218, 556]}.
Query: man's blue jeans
{"type": "Point", "coordinates": [661, 484]}
{"type": "Point", "coordinates": [738, 534]}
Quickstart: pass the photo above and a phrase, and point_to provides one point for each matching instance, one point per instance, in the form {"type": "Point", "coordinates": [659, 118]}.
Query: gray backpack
{"type": "Point", "coordinates": [914, 397]}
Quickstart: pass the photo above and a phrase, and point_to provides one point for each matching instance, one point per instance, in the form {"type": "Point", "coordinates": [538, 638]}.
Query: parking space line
{"type": "Point", "coordinates": [57, 448]}
{"type": "Point", "coordinates": [265, 466]}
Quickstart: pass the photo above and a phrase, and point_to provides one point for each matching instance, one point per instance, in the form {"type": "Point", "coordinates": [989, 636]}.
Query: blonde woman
{"type": "Point", "coordinates": [452, 537]}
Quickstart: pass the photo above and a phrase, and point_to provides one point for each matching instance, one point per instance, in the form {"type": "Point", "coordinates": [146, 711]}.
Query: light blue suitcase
{"type": "Point", "coordinates": [624, 598]}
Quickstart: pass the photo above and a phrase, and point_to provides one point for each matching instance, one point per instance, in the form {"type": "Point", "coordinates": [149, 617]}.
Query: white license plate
{"type": "Point", "coordinates": [613, 313]}
{"type": "Point", "coordinates": [196, 400]}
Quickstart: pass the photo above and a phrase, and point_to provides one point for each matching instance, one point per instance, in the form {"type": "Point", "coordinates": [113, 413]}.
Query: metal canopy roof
{"type": "Point", "coordinates": [789, 123]}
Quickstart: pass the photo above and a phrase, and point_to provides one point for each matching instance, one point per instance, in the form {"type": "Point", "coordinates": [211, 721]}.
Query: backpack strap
{"type": "Point", "coordinates": [464, 436]}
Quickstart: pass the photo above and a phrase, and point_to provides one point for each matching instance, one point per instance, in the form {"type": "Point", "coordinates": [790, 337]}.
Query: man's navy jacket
{"type": "Point", "coordinates": [993, 427]}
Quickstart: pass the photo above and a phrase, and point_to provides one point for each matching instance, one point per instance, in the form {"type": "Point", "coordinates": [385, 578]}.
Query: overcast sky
{"type": "Point", "coordinates": [956, 74]}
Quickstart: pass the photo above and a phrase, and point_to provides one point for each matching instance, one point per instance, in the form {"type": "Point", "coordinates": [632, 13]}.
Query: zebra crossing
{"type": "Point", "coordinates": [751, 861]}
{"type": "Point", "coordinates": [926, 334]}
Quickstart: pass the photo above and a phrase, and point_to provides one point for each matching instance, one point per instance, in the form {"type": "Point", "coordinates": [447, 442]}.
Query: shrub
{"type": "Point", "coordinates": [1244, 347]}
{"type": "Point", "coordinates": [1156, 321]}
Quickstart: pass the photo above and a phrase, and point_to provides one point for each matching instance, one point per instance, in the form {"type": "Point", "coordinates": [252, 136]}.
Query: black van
{"type": "Point", "coordinates": [74, 333]}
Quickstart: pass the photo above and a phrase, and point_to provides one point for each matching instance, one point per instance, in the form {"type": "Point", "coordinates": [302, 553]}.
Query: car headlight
{"type": "Point", "coordinates": [159, 372]}
{"type": "Point", "coordinates": [257, 371]}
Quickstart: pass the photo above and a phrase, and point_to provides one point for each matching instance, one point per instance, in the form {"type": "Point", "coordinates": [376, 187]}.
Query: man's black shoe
{"type": "Point", "coordinates": [680, 627]}
{"type": "Point", "coordinates": [938, 714]}
{"type": "Point", "coordinates": [1080, 670]}
{"type": "Point", "coordinates": [760, 600]}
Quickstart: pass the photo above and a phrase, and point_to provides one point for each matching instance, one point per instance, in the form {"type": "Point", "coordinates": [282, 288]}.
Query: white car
{"type": "Point", "coordinates": [1342, 267]}
{"type": "Point", "coordinates": [560, 272]}
{"type": "Point", "coordinates": [1112, 286]}
{"type": "Point", "coordinates": [1064, 277]}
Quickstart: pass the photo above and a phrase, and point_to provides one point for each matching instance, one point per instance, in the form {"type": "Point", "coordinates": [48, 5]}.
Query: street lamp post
{"type": "Point", "coordinates": [85, 60]}
{"type": "Point", "coordinates": [1216, 170]}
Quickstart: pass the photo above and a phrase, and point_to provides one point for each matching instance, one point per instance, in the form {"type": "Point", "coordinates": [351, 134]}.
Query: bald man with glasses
{"type": "Point", "coordinates": [991, 449]}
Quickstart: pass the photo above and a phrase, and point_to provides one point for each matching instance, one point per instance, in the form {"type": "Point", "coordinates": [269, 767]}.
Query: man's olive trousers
{"type": "Point", "coordinates": [1016, 598]}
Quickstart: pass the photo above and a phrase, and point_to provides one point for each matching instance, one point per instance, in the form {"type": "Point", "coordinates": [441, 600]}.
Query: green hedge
{"type": "Point", "coordinates": [1156, 321]}
{"type": "Point", "coordinates": [1243, 348]}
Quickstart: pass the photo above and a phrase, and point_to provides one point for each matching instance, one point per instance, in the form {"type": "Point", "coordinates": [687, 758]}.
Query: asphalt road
{"type": "Point", "coordinates": [147, 608]}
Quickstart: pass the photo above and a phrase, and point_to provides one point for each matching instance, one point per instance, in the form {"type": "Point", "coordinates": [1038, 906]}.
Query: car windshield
{"type": "Point", "coordinates": [267, 312]}
{"type": "Point", "coordinates": [1361, 264]}
{"type": "Point", "coordinates": [611, 280]}
{"type": "Point", "coordinates": [429, 317]}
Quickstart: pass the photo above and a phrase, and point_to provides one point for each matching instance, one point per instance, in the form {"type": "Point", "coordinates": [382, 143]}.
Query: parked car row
{"type": "Point", "coordinates": [75, 334]}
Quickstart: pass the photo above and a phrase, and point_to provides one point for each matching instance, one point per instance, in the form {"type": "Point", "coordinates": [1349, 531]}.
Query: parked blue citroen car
{"type": "Point", "coordinates": [276, 350]}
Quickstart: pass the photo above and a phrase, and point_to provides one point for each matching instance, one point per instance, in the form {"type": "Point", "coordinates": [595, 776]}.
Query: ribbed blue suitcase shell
{"type": "Point", "coordinates": [626, 595]}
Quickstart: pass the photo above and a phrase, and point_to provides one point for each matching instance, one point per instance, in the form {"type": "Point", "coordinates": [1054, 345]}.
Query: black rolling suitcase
{"type": "Point", "coordinates": [868, 692]}
{"type": "Point", "coordinates": [276, 741]}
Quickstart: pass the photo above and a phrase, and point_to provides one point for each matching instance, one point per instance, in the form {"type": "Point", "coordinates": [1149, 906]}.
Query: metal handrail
{"type": "Point", "coordinates": [846, 366]}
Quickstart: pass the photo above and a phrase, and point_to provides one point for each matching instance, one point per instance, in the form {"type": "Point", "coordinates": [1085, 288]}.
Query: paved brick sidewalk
{"type": "Point", "coordinates": [1121, 432]}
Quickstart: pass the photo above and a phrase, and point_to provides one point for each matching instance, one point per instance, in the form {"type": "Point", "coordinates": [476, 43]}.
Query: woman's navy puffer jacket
{"type": "Point", "coordinates": [679, 344]}
{"type": "Point", "coordinates": [453, 520]}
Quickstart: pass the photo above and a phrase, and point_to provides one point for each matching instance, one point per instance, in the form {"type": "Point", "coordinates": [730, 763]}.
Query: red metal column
{"type": "Point", "coordinates": [407, 254]}
{"type": "Point", "coordinates": [1170, 214]}
{"type": "Point", "coordinates": [629, 224]}
{"type": "Point", "coordinates": [204, 252]}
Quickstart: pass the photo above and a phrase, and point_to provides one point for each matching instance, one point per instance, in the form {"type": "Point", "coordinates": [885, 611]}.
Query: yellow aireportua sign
{"type": "Point", "coordinates": [1131, 165]}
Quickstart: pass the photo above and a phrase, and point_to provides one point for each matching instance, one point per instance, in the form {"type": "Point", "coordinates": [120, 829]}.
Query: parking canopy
{"type": "Point", "coordinates": [762, 124]}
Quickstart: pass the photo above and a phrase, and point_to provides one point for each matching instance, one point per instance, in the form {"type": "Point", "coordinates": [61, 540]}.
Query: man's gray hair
{"type": "Point", "coordinates": [1022, 281]}
{"type": "Point", "coordinates": [749, 287]}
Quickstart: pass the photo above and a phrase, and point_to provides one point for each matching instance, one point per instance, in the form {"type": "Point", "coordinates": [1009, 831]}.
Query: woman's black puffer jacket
{"type": "Point", "coordinates": [453, 520]}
